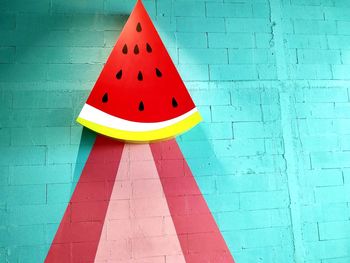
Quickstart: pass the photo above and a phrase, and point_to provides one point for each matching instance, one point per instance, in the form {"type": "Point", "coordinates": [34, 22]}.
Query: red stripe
{"type": "Point", "coordinates": [199, 235]}
{"type": "Point", "coordinates": [79, 232]}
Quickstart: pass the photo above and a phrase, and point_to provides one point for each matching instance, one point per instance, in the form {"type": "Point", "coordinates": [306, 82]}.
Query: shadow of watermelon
{"type": "Point", "coordinates": [86, 142]}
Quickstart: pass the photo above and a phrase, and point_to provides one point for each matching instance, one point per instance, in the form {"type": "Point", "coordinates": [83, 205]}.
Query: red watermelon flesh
{"type": "Point", "coordinates": [139, 82]}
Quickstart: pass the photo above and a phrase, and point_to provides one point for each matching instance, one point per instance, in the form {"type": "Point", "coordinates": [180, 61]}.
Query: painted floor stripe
{"type": "Point", "coordinates": [79, 232]}
{"type": "Point", "coordinates": [199, 235]}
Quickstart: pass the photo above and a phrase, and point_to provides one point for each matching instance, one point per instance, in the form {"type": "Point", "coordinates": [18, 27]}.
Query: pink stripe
{"type": "Point", "coordinates": [199, 235]}
{"type": "Point", "coordinates": [138, 227]}
{"type": "Point", "coordinates": [79, 232]}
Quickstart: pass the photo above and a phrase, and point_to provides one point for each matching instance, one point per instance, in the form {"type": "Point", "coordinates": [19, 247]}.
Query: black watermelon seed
{"type": "Point", "coordinates": [158, 73]}
{"type": "Point", "coordinates": [136, 49]}
{"type": "Point", "coordinates": [125, 49]}
{"type": "Point", "coordinates": [119, 74]}
{"type": "Point", "coordinates": [141, 106]}
{"type": "Point", "coordinates": [105, 98]}
{"type": "Point", "coordinates": [148, 48]}
{"type": "Point", "coordinates": [174, 102]}
{"type": "Point", "coordinates": [138, 27]}
{"type": "Point", "coordinates": [140, 76]}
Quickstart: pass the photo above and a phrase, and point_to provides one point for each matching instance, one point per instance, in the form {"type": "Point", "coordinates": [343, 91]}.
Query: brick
{"type": "Point", "coordinates": [261, 10]}
{"type": "Point", "coordinates": [337, 260]}
{"type": "Point", "coordinates": [263, 200]}
{"type": "Point", "coordinates": [191, 40]}
{"type": "Point", "coordinates": [309, 41]}
{"type": "Point", "coordinates": [59, 193]}
{"type": "Point", "coordinates": [274, 146]}
{"type": "Point", "coordinates": [316, 71]}
{"type": "Point", "coordinates": [28, 194]}
{"type": "Point", "coordinates": [271, 113]}
{"type": "Point", "coordinates": [222, 202]}
{"type": "Point", "coordinates": [301, 12]}
{"type": "Point", "coordinates": [341, 71]}
{"type": "Point", "coordinates": [230, 113]}
{"type": "Point", "coordinates": [59, 6]}
{"type": "Point", "coordinates": [7, 54]}
{"type": "Point", "coordinates": [26, 72]}
{"type": "Point", "coordinates": [22, 236]}
{"type": "Point", "coordinates": [251, 238]}
{"type": "Point", "coordinates": [7, 22]}
{"type": "Point", "coordinates": [5, 137]}
{"type": "Point", "coordinates": [30, 6]}
{"type": "Point", "coordinates": [211, 97]}
{"type": "Point", "coordinates": [345, 56]}
{"type": "Point", "coordinates": [315, 110]}
{"type": "Point", "coordinates": [22, 155]}
{"type": "Point", "coordinates": [306, 56]}
{"type": "Point", "coordinates": [306, 26]}
{"type": "Point", "coordinates": [191, 24]}
{"type": "Point", "coordinates": [42, 117]}
{"type": "Point", "coordinates": [333, 194]}
{"type": "Point", "coordinates": [338, 41]}
{"type": "Point", "coordinates": [244, 97]}
{"type": "Point", "coordinates": [247, 25]}
{"type": "Point", "coordinates": [233, 72]}
{"type": "Point", "coordinates": [267, 72]}
{"type": "Point", "coordinates": [23, 175]}
{"type": "Point", "coordinates": [310, 231]}
{"type": "Point", "coordinates": [307, 2]}
{"type": "Point", "coordinates": [188, 9]}
{"type": "Point", "coordinates": [248, 130]}
{"type": "Point", "coordinates": [322, 177]}
{"type": "Point", "coordinates": [40, 136]}
{"type": "Point", "coordinates": [193, 72]}
{"type": "Point", "coordinates": [35, 214]}
{"type": "Point", "coordinates": [251, 56]}
{"type": "Point", "coordinates": [43, 99]}
{"type": "Point", "coordinates": [330, 159]}
{"type": "Point", "coordinates": [325, 95]}
{"type": "Point", "coordinates": [61, 154]}
{"type": "Point", "coordinates": [320, 143]}
{"type": "Point", "coordinates": [334, 230]}
{"type": "Point", "coordinates": [209, 131]}
{"type": "Point", "coordinates": [327, 249]}
{"type": "Point", "coordinates": [343, 27]}
{"type": "Point", "coordinates": [341, 126]}
{"type": "Point", "coordinates": [231, 40]}
{"type": "Point", "coordinates": [203, 56]}
{"type": "Point", "coordinates": [336, 13]}
{"type": "Point", "coordinates": [245, 147]}
{"type": "Point", "coordinates": [72, 72]}
{"type": "Point", "coordinates": [4, 175]}
{"type": "Point", "coordinates": [249, 183]}
{"type": "Point", "coordinates": [228, 10]}
{"type": "Point", "coordinates": [316, 212]}
{"type": "Point", "coordinates": [254, 219]}
{"type": "Point", "coordinates": [345, 143]}
{"type": "Point", "coordinates": [264, 40]}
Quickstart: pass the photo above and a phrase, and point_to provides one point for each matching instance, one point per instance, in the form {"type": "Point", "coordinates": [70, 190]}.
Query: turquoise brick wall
{"type": "Point", "coordinates": [271, 79]}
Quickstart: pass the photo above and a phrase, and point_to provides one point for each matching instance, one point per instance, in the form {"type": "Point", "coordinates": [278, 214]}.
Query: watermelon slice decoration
{"type": "Point", "coordinates": [139, 95]}
{"type": "Point", "coordinates": [138, 203]}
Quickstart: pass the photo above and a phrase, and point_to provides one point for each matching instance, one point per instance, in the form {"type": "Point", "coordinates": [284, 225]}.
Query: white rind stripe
{"type": "Point", "coordinates": [97, 116]}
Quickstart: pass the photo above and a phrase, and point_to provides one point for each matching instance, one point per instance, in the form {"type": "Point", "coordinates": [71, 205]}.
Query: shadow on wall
{"type": "Point", "coordinates": [87, 140]}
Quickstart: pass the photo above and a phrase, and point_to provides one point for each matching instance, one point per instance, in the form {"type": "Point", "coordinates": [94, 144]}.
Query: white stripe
{"type": "Point", "coordinates": [97, 116]}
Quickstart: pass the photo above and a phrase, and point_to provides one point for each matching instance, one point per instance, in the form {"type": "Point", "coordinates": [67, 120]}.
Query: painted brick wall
{"type": "Point", "coordinates": [271, 79]}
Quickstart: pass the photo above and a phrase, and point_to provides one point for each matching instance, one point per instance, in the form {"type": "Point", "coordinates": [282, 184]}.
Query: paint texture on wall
{"type": "Point", "coordinates": [270, 78]}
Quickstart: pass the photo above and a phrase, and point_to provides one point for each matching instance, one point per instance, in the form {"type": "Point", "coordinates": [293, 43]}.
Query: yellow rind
{"type": "Point", "coordinates": [145, 136]}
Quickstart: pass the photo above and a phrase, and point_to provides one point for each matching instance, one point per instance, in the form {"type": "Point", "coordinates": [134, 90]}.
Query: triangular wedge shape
{"type": "Point", "coordinates": [139, 95]}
